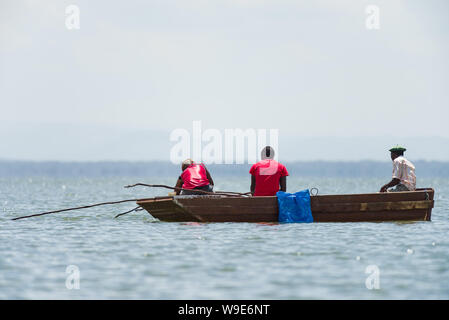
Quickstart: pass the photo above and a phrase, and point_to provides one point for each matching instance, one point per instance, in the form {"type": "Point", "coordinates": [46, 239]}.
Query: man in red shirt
{"type": "Point", "coordinates": [194, 176]}
{"type": "Point", "coordinates": [268, 176]}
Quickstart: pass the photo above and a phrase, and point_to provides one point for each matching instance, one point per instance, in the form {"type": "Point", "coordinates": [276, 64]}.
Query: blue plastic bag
{"type": "Point", "coordinates": [294, 207]}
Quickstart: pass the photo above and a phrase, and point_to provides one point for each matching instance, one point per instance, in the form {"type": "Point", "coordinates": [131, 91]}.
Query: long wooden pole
{"type": "Point", "coordinates": [76, 208]}
{"type": "Point", "coordinates": [129, 211]}
{"type": "Point", "coordinates": [219, 193]}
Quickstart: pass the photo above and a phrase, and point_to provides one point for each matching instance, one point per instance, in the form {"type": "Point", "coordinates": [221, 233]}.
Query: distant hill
{"type": "Point", "coordinates": [160, 168]}
{"type": "Point", "coordinates": [64, 142]}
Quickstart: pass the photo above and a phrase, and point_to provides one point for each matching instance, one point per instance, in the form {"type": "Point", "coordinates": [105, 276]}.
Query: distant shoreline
{"type": "Point", "coordinates": [15, 168]}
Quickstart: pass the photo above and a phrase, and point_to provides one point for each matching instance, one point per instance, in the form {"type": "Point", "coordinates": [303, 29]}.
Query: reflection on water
{"type": "Point", "coordinates": [137, 257]}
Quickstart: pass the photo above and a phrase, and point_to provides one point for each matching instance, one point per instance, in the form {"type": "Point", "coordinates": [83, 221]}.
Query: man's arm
{"type": "Point", "coordinates": [179, 184]}
{"type": "Point", "coordinates": [253, 184]}
{"type": "Point", "coordinates": [283, 183]}
{"type": "Point", "coordinates": [396, 177]}
{"type": "Point", "coordinates": [209, 177]}
{"type": "Point", "coordinates": [392, 183]}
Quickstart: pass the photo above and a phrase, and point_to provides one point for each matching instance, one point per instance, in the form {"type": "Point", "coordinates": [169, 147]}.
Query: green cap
{"type": "Point", "coordinates": [397, 149]}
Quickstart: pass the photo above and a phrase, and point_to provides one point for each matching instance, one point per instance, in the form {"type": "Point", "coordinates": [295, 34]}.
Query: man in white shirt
{"type": "Point", "coordinates": [403, 172]}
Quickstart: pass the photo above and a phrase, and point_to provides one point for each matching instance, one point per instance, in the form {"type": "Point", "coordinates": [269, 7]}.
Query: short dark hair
{"type": "Point", "coordinates": [398, 153]}
{"type": "Point", "coordinates": [268, 152]}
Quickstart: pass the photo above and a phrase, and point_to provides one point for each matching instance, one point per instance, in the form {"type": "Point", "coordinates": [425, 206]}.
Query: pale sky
{"type": "Point", "coordinates": [308, 68]}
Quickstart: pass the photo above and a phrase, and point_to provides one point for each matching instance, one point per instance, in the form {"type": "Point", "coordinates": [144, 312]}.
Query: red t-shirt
{"type": "Point", "coordinates": [268, 173]}
{"type": "Point", "coordinates": [194, 176]}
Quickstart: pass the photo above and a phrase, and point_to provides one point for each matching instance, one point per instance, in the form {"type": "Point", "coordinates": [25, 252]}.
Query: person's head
{"type": "Point", "coordinates": [397, 152]}
{"type": "Point", "coordinates": [267, 153]}
{"type": "Point", "coordinates": [186, 163]}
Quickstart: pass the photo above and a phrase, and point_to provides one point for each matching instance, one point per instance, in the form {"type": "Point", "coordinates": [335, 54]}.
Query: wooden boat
{"type": "Point", "coordinates": [391, 206]}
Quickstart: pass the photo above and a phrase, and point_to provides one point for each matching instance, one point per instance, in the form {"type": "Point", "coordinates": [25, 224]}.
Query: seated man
{"type": "Point", "coordinates": [268, 175]}
{"type": "Point", "coordinates": [194, 176]}
{"type": "Point", "coordinates": [403, 172]}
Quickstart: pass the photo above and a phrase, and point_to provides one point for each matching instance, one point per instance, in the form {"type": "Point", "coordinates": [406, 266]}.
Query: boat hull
{"type": "Point", "coordinates": [371, 207]}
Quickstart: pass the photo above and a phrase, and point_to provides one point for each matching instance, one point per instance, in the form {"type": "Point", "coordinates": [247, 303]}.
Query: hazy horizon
{"type": "Point", "coordinates": [164, 169]}
{"type": "Point", "coordinates": [109, 143]}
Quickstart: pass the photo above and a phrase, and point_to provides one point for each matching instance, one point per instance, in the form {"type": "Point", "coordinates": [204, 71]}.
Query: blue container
{"type": "Point", "coordinates": [294, 207]}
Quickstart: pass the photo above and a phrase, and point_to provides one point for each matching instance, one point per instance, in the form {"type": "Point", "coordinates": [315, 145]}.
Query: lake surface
{"type": "Point", "coordinates": [138, 257]}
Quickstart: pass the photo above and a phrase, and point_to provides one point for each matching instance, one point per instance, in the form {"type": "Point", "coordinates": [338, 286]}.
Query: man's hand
{"type": "Point", "coordinates": [392, 183]}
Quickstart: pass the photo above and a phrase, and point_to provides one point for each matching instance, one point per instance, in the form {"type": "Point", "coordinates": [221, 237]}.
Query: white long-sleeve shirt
{"type": "Point", "coordinates": [404, 170]}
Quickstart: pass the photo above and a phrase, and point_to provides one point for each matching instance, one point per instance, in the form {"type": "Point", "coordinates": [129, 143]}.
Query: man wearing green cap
{"type": "Point", "coordinates": [403, 172]}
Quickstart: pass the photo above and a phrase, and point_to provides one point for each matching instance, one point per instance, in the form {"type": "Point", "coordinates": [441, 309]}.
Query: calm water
{"type": "Point", "coordinates": [136, 257]}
